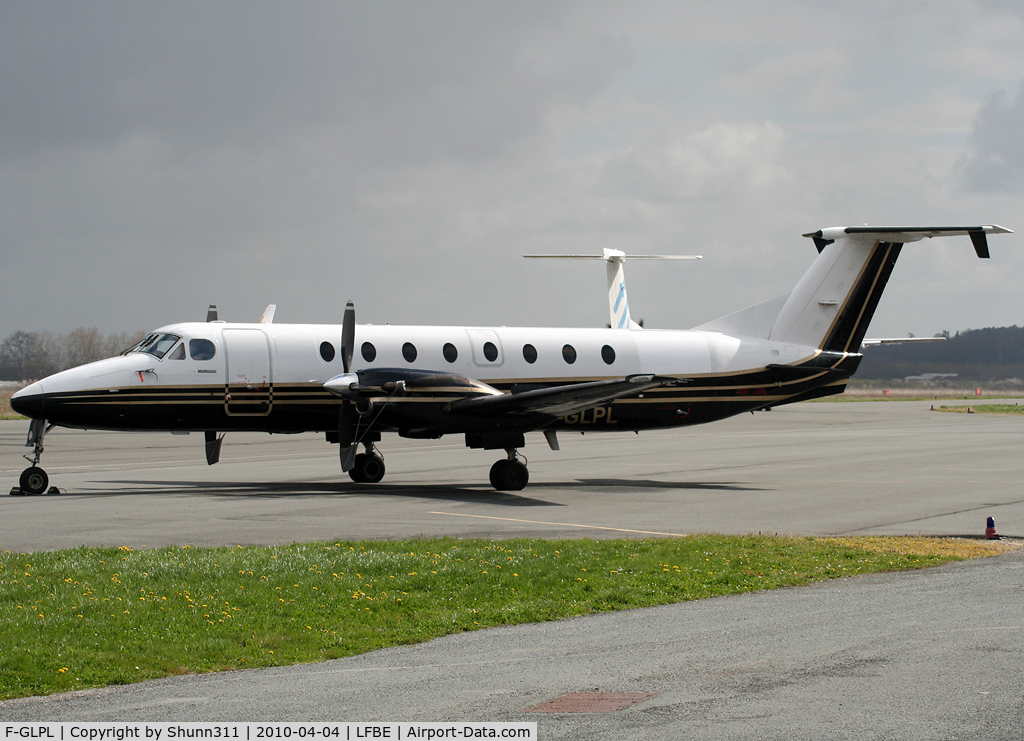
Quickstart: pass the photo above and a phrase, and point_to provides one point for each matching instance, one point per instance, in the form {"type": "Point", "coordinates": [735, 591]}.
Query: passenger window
{"type": "Point", "coordinates": [178, 354]}
{"type": "Point", "coordinates": [409, 352]}
{"type": "Point", "coordinates": [529, 353]}
{"type": "Point", "coordinates": [450, 352]}
{"type": "Point", "coordinates": [490, 351]}
{"type": "Point", "coordinates": [569, 354]}
{"type": "Point", "coordinates": [201, 349]}
{"type": "Point", "coordinates": [327, 351]}
{"type": "Point", "coordinates": [369, 352]}
{"type": "Point", "coordinates": [608, 354]}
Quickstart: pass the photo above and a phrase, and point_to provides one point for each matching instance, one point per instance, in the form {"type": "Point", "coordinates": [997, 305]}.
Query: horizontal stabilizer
{"type": "Point", "coordinates": [620, 256]}
{"type": "Point", "coordinates": [824, 237]}
{"type": "Point", "coordinates": [899, 340]}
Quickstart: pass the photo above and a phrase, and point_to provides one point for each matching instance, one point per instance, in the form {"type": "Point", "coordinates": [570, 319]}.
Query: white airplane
{"type": "Point", "coordinates": [490, 384]}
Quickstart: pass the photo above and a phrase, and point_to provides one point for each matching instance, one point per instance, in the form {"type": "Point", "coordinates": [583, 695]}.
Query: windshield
{"type": "Point", "coordinates": [156, 345]}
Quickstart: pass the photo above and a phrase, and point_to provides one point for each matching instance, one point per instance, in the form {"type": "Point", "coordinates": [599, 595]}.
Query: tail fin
{"type": "Point", "coordinates": [618, 302]}
{"type": "Point", "coordinates": [831, 306]}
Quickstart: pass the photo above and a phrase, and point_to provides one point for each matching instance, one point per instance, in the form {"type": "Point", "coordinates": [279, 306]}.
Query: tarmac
{"type": "Point", "coordinates": [928, 654]}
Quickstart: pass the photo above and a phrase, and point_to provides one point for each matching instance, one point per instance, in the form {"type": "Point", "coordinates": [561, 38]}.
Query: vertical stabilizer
{"type": "Point", "coordinates": [618, 301]}
{"type": "Point", "coordinates": [833, 303]}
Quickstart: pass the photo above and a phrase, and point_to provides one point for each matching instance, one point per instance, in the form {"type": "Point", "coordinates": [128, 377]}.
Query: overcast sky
{"type": "Point", "coordinates": [158, 157]}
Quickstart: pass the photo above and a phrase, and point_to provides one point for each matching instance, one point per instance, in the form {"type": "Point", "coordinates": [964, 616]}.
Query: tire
{"type": "Point", "coordinates": [356, 472]}
{"type": "Point", "coordinates": [498, 474]}
{"type": "Point", "coordinates": [509, 475]}
{"type": "Point", "coordinates": [373, 469]}
{"type": "Point", "coordinates": [34, 480]}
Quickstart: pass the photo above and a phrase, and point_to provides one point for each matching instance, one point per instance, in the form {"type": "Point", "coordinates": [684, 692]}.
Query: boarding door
{"type": "Point", "coordinates": [486, 347]}
{"type": "Point", "coordinates": [248, 389]}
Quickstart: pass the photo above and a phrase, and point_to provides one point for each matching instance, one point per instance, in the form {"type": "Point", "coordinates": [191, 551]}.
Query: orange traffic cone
{"type": "Point", "coordinates": [990, 530]}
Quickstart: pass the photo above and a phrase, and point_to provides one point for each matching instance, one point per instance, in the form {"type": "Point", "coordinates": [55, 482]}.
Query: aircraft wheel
{"type": "Point", "coordinates": [373, 469]}
{"type": "Point", "coordinates": [356, 472]}
{"type": "Point", "coordinates": [368, 469]}
{"type": "Point", "coordinates": [509, 475]}
{"type": "Point", "coordinates": [34, 480]}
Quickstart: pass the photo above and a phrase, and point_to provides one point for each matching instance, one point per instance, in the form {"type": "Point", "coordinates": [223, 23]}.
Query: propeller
{"type": "Point", "coordinates": [348, 336]}
{"type": "Point", "coordinates": [347, 416]}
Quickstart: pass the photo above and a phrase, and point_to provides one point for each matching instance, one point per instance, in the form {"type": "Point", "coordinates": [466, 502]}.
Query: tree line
{"type": "Point", "coordinates": [26, 356]}
{"type": "Point", "coordinates": [986, 354]}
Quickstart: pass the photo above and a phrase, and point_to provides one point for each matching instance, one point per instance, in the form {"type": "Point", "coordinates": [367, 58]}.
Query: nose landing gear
{"type": "Point", "coordinates": [34, 479]}
{"type": "Point", "coordinates": [369, 466]}
{"type": "Point", "coordinates": [510, 474]}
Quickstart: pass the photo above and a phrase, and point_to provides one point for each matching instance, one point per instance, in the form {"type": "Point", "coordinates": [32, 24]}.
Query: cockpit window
{"type": "Point", "coordinates": [178, 354]}
{"type": "Point", "coordinates": [156, 345]}
{"type": "Point", "coordinates": [201, 349]}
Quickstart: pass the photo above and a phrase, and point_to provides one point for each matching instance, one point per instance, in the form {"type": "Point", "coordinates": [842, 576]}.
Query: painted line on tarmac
{"type": "Point", "coordinates": [561, 524]}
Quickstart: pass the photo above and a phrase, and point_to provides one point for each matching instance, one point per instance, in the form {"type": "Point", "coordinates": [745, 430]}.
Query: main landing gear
{"type": "Point", "coordinates": [369, 466]}
{"type": "Point", "coordinates": [34, 479]}
{"type": "Point", "coordinates": [510, 474]}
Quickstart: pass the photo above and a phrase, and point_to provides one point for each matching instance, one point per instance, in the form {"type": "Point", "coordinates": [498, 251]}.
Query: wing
{"type": "Point", "coordinates": [560, 400]}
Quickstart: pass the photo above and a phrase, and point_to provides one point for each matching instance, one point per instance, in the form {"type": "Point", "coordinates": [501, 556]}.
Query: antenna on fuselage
{"type": "Point", "coordinates": [211, 313]}
{"type": "Point", "coordinates": [618, 303]}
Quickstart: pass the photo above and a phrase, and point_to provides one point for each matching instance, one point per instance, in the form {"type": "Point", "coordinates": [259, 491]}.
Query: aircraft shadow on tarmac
{"type": "Point", "coordinates": [344, 489]}
{"type": "Point", "coordinates": [446, 492]}
{"type": "Point", "coordinates": [654, 484]}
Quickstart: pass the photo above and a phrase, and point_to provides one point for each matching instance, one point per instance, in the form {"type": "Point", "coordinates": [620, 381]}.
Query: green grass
{"type": "Point", "coordinates": [91, 617]}
{"type": "Point", "coordinates": [5, 406]}
{"type": "Point", "coordinates": [984, 409]}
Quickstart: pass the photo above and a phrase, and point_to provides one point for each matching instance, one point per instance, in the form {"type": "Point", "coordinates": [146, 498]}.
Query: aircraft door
{"type": "Point", "coordinates": [486, 344]}
{"type": "Point", "coordinates": [248, 388]}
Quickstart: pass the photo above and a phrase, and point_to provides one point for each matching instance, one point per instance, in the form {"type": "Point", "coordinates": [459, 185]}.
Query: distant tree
{"type": "Point", "coordinates": [26, 356]}
{"type": "Point", "coordinates": [115, 344]}
{"type": "Point", "coordinates": [14, 352]}
{"type": "Point", "coordinates": [81, 346]}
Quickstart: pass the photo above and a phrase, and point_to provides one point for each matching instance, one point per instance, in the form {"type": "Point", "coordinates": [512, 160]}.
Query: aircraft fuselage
{"type": "Point", "coordinates": [270, 377]}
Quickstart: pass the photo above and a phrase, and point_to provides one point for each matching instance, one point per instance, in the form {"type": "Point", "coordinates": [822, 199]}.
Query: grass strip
{"type": "Point", "coordinates": [91, 617]}
{"type": "Point", "coordinates": [983, 409]}
{"type": "Point", "coordinates": [5, 406]}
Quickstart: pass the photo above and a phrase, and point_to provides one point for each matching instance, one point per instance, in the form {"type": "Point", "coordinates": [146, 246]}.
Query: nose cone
{"type": "Point", "coordinates": [29, 401]}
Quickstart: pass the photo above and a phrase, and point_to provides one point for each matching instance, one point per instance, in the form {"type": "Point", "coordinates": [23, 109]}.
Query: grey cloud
{"type": "Point", "coordinates": [723, 160]}
{"type": "Point", "coordinates": [998, 160]}
{"type": "Point", "coordinates": [398, 81]}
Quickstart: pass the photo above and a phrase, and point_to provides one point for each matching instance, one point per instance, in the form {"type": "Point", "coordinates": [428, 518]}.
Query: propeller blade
{"type": "Point", "coordinates": [347, 419]}
{"type": "Point", "coordinates": [348, 336]}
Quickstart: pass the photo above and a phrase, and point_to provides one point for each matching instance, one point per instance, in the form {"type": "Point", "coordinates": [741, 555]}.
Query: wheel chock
{"type": "Point", "coordinates": [16, 492]}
